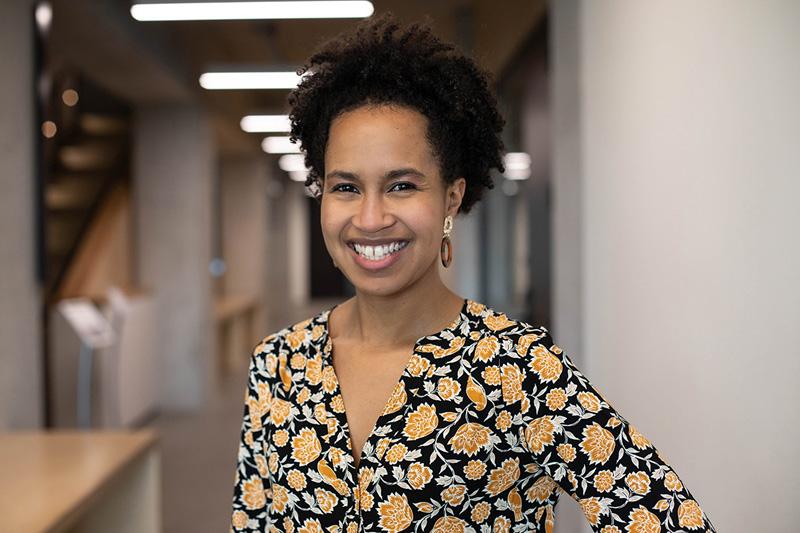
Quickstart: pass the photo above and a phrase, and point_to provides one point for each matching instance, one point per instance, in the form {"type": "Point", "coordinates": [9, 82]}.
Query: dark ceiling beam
{"type": "Point", "coordinates": [131, 60]}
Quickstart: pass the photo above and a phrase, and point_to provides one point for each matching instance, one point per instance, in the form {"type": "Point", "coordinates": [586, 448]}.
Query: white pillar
{"type": "Point", "coordinates": [174, 164]}
{"type": "Point", "coordinates": [686, 141]}
{"type": "Point", "coordinates": [21, 391]}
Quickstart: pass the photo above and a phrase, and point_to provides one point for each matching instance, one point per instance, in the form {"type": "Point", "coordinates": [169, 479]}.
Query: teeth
{"type": "Point", "coordinates": [377, 253]}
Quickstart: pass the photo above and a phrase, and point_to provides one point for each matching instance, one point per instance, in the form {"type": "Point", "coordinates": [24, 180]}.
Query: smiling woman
{"type": "Point", "coordinates": [413, 69]}
{"type": "Point", "coordinates": [384, 199]}
{"type": "Point", "coordinates": [408, 407]}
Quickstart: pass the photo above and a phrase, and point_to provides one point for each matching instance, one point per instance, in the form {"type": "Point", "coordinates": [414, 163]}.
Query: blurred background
{"type": "Point", "coordinates": [154, 227]}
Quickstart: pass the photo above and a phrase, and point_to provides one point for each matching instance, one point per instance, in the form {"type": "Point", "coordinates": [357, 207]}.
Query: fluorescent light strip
{"type": "Point", "coordinates": [265, 123]}
{"type": "Point", "coordinates": [43, 16]}
{"type": "Point", "coordinates": [298, 175]}
{"type": "Point", "coordinates": [147, 12]}
{"type": "Point", "coordinates": [517, 160]}
{"type": "Point", "coordinates": [249, 80]}
{"type": "Point", "coordinates": [518, 165]}
{"type": "Point", "coordinates": [517, 174]}
{"type": "Point", "coordinates": [279, 145]}
{"type": "Point", "coordinates": [292, 163]}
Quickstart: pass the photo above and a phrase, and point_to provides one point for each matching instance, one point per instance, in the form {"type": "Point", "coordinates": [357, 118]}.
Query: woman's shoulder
{"type": "Point", "coordinates": [293, 336]}
{"type": "Point", "coordinates": [510, 335]}
{"type": "Point", "coordinates": [493, 322]}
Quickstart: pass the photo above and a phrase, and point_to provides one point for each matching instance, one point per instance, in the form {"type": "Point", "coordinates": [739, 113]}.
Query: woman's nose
{"type": "Point", "coordinates": [372, 214]}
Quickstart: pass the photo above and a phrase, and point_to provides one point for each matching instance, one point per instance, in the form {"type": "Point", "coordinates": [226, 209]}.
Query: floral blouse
{"type": "Point", "coordinates": [488, 424]}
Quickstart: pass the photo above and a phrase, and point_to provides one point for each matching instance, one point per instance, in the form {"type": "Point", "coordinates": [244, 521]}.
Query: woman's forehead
{"type": "Point", "coordinates": [386, 138]}
{"type": "Point", "coordinates": [385, 117]}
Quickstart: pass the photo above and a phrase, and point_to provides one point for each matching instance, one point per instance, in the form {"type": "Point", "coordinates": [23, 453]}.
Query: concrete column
{"type": "Point", "coordinates": [174, 165]}
{"type": "Point", "coordinates": [244, 199]}
{"type": "Point", "coordinates": [297, 245]}
{"type": "Point", "coordinates": [567, 202]}
{"type": "Point", "coordinates": [463, 274]}
{"type": "Point", "coordinates": [499, 217]}
{"type": "Point", "coordinates": [21, 392]}
{"type": "Point", "coordinates": [566, 198]}
{"type": "Point", "coordinates": [277, 239]}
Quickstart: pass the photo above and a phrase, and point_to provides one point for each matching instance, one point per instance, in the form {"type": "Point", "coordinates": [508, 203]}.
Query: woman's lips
{"type": "Point", "coordinates": [380, 264]}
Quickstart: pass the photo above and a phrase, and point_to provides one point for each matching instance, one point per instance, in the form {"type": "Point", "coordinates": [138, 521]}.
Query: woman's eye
{"type": "Point", "coordinates": [410, 186]}
{"type": "Point", "coordinates": [342, 187]}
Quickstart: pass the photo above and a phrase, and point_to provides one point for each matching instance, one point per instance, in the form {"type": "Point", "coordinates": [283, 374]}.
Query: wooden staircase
{"type": "Point", "coordinates": [86, 169]}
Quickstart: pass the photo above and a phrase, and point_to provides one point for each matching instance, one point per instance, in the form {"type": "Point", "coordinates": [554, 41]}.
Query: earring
{"type": "Point", "coordinates": [446, 250]}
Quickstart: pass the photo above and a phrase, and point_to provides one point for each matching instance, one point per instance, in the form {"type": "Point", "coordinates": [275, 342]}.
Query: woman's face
{"type": "Point", "coordinates": [384, 201]}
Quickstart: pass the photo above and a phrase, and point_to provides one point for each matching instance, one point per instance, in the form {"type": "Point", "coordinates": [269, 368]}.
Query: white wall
{"type": "Point", "coordinates": [687, 138]}
{"type": "Point", "coordinates": [21, 394]}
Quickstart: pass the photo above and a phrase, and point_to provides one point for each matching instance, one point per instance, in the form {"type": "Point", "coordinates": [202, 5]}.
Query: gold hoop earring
{"type": "Point", "coordinates": [446, 251]}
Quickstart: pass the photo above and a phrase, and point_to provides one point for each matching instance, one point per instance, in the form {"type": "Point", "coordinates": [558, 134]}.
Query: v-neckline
{"type": "Point", "coordinates": [405, 376]}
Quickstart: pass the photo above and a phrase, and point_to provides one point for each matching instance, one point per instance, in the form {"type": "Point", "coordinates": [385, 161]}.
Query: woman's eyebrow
{"type": "Point", "coordinates": [406, 171]}
{"type": "Point", "coordinates": [341, 174]}
{"type": "Point", "coordinates": [394, 173]}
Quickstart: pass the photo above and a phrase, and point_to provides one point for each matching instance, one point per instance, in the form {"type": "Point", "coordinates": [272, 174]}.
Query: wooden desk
{"type": "Point", "coordinates": [79, 481]}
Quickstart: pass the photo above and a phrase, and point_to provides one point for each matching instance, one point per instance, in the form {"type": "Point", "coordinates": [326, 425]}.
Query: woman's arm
{"type": "Point", "coordinates": [251, 484]}
{"type": "Point", "coordinates": [596, 455]}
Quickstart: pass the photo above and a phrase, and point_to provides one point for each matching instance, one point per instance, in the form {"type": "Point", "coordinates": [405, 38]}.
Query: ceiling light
{"type": "Point", "coordinates": [518, 165]}
{"type": "Point", "coordinates": [249, 80]}
{"type": "Point", "coordinates": [517, 174]}
{"type": "Point", "coordinates": [265, 123]}
{"type": "Point", "coordinates": [279, 145]}
{"type": "Point", "coordinates": [292, 162]}
{"type": "Point", "coordinates": [49, 129]}
{"type": "Point", "coordinates": [70, 97]}
{"type": "Point", "coordinates": [298, 175]}
{"type": "Point", "coordinates": [517, 160]}
{"type": "Point", "coordinates": [44, 16]}
{"type": "Point", "coordinates": [251, 10]}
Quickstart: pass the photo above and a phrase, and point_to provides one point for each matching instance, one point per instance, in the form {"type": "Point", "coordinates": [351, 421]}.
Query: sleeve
{"type": "Point", "coordinates": [251, 492]}
{"type": "Point", "coordinates": [595, 455]}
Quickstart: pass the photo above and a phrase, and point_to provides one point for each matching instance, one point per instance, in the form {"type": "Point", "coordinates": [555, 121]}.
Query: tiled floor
{"type": "Point", "coordinates": [198, 459]}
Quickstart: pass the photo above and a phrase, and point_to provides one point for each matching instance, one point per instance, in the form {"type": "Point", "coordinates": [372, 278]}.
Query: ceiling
{"type": "Point", "coordinates": [148, 63]}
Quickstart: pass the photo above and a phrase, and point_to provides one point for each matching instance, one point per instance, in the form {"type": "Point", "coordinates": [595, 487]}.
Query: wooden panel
{"type": "Point", "coordinates": [51, 481]}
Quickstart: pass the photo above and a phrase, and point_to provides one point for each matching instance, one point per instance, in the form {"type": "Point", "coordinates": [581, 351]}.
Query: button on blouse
{"type": "Point", "coordinates": [488, 424]}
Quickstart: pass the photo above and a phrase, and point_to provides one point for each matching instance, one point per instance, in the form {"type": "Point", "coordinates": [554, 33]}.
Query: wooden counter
{"type": "Point", "coordinates": [65, 481]}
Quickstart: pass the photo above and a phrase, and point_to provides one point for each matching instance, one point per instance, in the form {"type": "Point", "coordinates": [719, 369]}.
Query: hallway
{"type": "Point", "coordinates": [159, 217]}
{"type": "Point", "coordinates": [198, 450]}
{"type": "Point", "coordinates": [199, 458]}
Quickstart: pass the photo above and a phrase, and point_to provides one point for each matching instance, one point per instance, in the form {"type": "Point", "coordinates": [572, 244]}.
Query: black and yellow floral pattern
{"type": "Point", "coordinates": [488, 424]}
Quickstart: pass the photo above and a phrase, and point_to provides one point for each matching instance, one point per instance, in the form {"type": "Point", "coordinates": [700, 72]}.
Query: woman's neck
{"type": "Point", "coordinates": [398, 319]}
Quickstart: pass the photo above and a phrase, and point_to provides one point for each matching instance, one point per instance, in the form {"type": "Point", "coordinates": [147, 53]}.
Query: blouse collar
{"type": "Point", "coordinates": [469, 317]}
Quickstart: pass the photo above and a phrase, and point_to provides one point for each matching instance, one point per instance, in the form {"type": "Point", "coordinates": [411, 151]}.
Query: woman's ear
{"type": "Point", "coordinates": [455, 194]}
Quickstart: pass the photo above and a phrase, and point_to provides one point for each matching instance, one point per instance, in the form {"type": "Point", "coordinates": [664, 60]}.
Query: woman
{"type": "Point", "coordinates": [408, 407]}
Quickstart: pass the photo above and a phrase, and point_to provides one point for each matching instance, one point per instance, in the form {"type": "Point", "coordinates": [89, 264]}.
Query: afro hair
{"type": "Point", "coordinates": [382, 63]}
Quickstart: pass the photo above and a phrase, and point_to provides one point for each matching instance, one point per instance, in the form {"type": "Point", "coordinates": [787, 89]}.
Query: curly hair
{"type": "Point", "coordinates": [412, 67]}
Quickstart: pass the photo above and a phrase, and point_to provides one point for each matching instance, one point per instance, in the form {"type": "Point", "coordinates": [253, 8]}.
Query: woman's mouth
{"type": "Point", "coordinates": [379, 256]}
